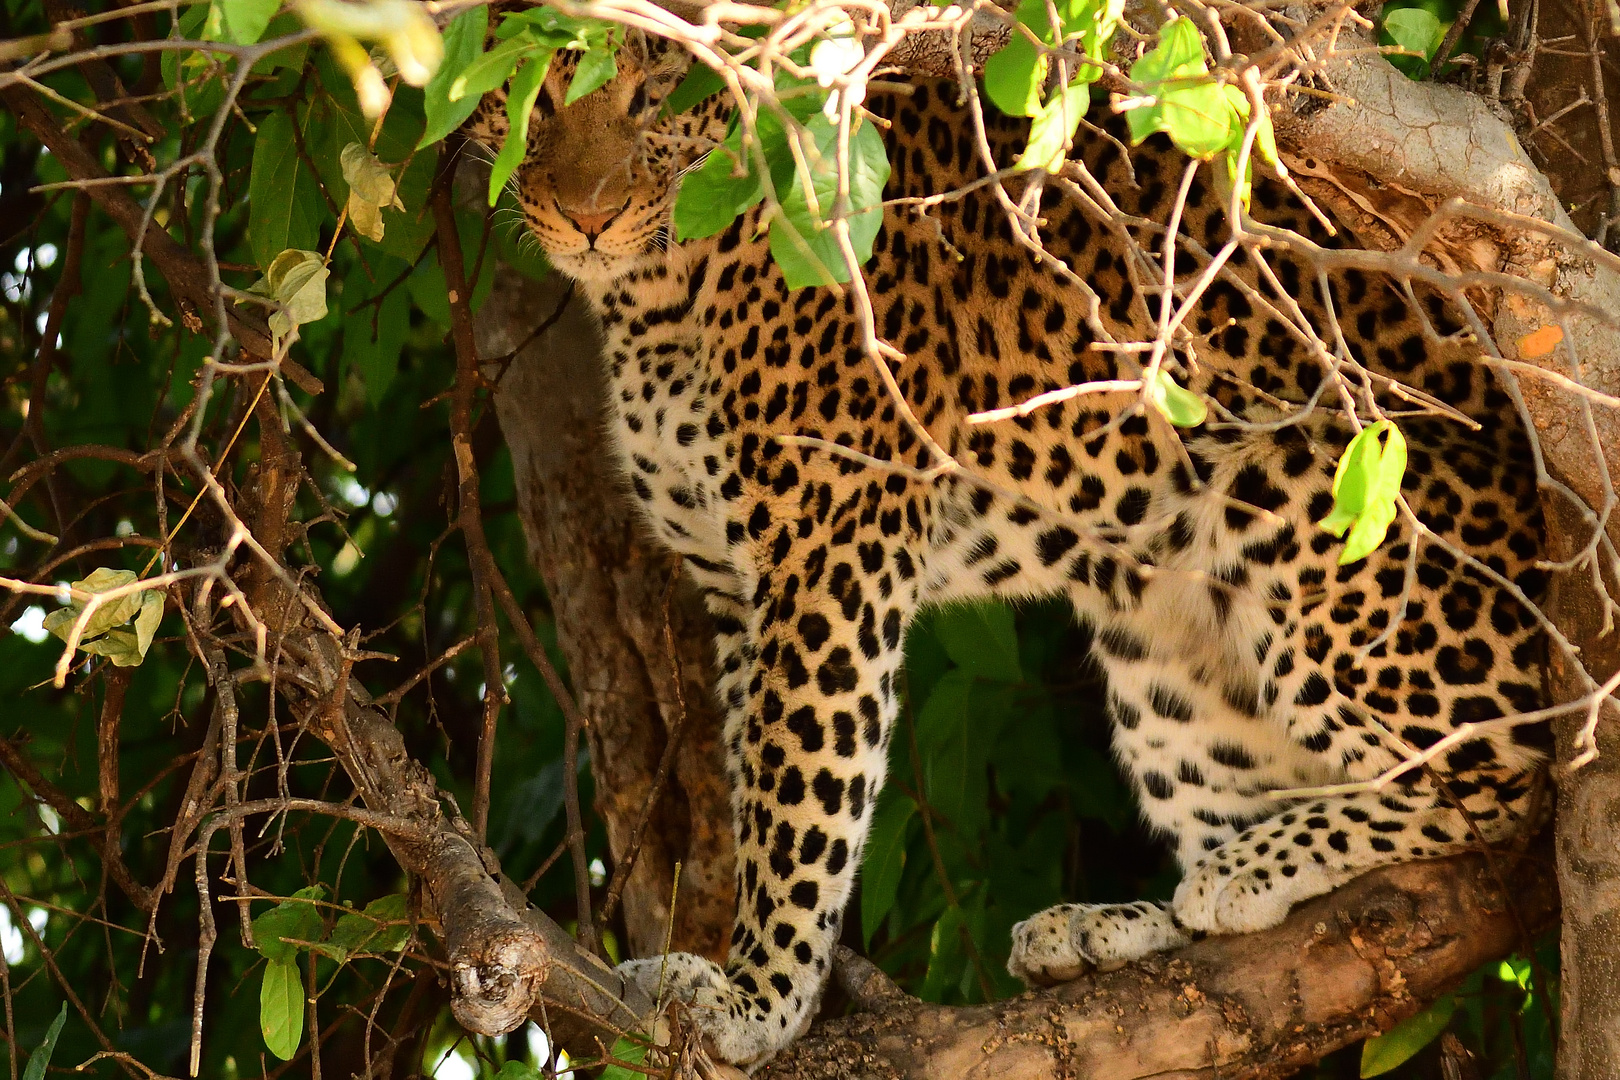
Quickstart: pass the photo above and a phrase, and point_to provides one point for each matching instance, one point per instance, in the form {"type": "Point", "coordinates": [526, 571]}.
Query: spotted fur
{"type": "Point", "coordinates": [1241, 658]}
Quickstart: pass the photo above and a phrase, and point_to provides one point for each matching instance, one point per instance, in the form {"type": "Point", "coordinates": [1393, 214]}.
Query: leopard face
{"type": "Point", "coordinates": [596, 186]}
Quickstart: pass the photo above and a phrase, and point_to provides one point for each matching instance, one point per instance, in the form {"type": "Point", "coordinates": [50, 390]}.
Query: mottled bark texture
{"type": "Point", "coordinates": [1252, 1007]}
{"type": "Point", "coordinates": [607, 583]}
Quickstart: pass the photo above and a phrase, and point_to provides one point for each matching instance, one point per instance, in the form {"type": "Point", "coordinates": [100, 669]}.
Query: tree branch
{"type": "Point", "coordinates": [1254, 1006]}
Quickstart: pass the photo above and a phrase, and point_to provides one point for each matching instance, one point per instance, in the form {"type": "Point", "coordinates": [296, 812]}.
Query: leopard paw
{"type": "Point", "coordinates": [1063, 942]}
{"type": "Point", "coordinates": [724, 1018]}
{"type": "Point", "coordinates": [1219, 899]}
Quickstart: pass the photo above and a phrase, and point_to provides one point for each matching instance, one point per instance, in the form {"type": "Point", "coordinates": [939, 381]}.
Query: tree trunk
{"type": "Point", "coordinates": [607, 583]}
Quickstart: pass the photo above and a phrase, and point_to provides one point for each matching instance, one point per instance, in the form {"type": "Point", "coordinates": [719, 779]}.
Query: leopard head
{"type": "Point", "coordinates": [598, 182]}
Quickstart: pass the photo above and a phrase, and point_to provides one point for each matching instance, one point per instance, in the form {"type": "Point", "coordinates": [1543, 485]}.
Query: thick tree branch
{"type": "Point", "coordinates": [507, 961]}
{"type": "Point", "coordinates": [1256, 1006]}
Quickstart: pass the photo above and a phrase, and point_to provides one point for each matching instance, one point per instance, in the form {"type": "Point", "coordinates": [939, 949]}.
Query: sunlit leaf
{"type": "Point", "coordinates": [106, 616]}
{"type": "Point", "coordinates": [1415, 30]}
{"type": "Point", "coordinates": [801, 242]}
{"type": "Point", "coordinates": [1186, 103]}
{"type": "Point", "coordinates": [297, 281]}
{"type": "Point", "coordinates": [1015, 74]}
{"type": "Point", "coordinates": [629, 1051]}
{"type": "Point", "coordinates": [371, 190]}
{"type": "Point", "coordinates": [488, 71]}
{"type": "Point", "coordinates": [1053, 128]}
{"type": "Point", "coordinates": [1365, 487]}
{"type": "Point", "coordinates": [1176, 403]}
{"type": "Point", "coordinates": [713, 194]}
{"type": "Point", "coordinates": [241, 22]}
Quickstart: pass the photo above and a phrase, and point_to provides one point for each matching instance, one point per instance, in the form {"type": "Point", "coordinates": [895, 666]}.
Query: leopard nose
{"type": "Point", "coordinates": [593, 223]}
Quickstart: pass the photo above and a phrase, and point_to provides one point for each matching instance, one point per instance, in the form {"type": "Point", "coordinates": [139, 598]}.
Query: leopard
{"type": "Point", "coordinates": [826, 463]}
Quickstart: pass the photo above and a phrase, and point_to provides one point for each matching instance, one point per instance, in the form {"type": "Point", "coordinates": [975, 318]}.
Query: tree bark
{"type": "Point", "coordinates": [607, 583]}
{"type": "Point", "coordinates": [1431, 143]}
{"type": "Point", "coordinates": [1251, 1007]}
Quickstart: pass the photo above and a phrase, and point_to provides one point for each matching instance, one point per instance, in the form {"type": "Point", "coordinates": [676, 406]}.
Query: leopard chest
{"type": "Point", "coordinates": [672, 446]}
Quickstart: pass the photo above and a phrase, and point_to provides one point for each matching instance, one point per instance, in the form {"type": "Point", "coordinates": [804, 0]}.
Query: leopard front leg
{"type": "Point", "coordinates": [811, 698]}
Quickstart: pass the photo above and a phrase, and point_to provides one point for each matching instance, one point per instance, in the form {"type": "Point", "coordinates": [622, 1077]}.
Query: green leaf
{"type": "Point", "coordinates": [112, 613]}
{"type": "Point", "coordinates": [1415, 30]}
{"type": "Point", "coordinates": [1353, 480]}
{"type": "Point", "coordinates": [517, 1070]}
{"type": "Point", "coordinates": [371, 191]}
{"type": "Point", "coordinates": [411, 226]}
{"type": "Point", "coordinates": [146, 623]}
{"type": "Point", "coordinates": [982, 639]}
{"type": "Point", "coordinates": [520, 99]}
{"type": "Point", "coordinates": [295, 279]}
{"type": "Point", "coordinates": [40, 1059]}
{"type": "Point", "coordinates": [281, 1008]}
{"type": "Point", "coordinates": [1176, 403]}
{"type": "Point", "coordinates": [105, 633]}
{"type": "Point", "coordinates": [1388, 1051]}
{"type": "Point", "coordinates": [884, 861]}
{"type": "Point", "coordinates": [240, 22]}
{"type": "Point", "coordinates": [1013, 77]}
{"type": "Point", "coordinates": [1369, 530]}
{"type": "Point", "coordinates": [596, 69]}
{"type": "Point", "coordinates": [1053, 130]}
{"type": "Point", "coordinates": [549, 27]}
{"type": "Point", "coordinates": [377, 357]}
{"type": "Point", "coordinates": [626, 1050]}
{"type": "Point", "coordinates": [956, 730]}
{"type": "Point", "coordinates": [1188, 105]}
{"type": "Point", "coordinates": [1365, 487]}
{"type": "Point", "coordinates": [285, 208]}
{"type": "Point", "coordinates": [384, 926]}
{"type": "Point", "coordinates": [295, 919]}
{"type": "Point", "coordinates": [489, 70]}
{"type": "Point", "coordinates": [801, 244]}
{"type": "Point", "coordinates": [701, 83]}
{"type": "Point", "coordinates": [463, 44]}
{"type": "Point", "coordinates": [714, 193]}
{"type": "Point", "coordinates": [947, 958]}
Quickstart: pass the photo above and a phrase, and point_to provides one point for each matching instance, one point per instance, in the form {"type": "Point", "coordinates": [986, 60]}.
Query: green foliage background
{"type": "Point", "coordinates": [1003, 798]}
